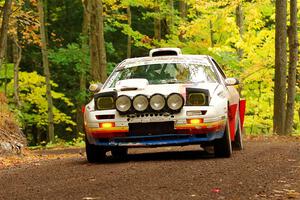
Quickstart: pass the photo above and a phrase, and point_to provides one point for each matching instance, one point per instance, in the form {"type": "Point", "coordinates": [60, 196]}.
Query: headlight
{"type": "Point", "coordinates": [123, 103]}
{"type": "Point", "coordinates": [140, 103]}
{"type": "Point", "coordinates": [196, 99]}
{"type": "Point", "coordinates": [175, 101]}
{"type": "Point", "coordinates": [157, 102]}
{"type": "Point", "coordinates": [105, 103]}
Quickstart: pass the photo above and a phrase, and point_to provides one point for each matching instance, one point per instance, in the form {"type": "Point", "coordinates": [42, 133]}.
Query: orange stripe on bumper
{"type": "Point", "coordinates": [201, 125]}
{"type": "Point", "coordinates": [107, 132]}
{"type": "Point", "coordinates": [202, 128]}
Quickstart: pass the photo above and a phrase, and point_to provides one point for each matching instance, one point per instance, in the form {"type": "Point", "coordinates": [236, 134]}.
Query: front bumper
{"type": "Point", "coordinates": [180, 134]}
{"type": "Point", "coordinates": [178, 131]}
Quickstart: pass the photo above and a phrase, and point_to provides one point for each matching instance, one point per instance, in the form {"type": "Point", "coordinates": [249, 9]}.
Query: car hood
{"type": "Point", "coordinates": [164, 89]}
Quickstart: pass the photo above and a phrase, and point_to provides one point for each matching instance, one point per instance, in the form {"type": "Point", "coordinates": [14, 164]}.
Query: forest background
{"type": "Point", "coordinates": [240, 35]}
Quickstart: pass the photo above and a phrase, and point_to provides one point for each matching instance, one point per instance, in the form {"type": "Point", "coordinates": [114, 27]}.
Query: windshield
{"type": "Point", "coordinates": [166, 73]}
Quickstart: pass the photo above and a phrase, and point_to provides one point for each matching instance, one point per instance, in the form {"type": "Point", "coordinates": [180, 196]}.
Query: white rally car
{"type": "Point", "coordinates": [164, 99]}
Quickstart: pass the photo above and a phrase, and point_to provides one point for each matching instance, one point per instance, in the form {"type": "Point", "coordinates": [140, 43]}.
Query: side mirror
{"type": "Point", "coordinates": [231, 81]}
{"type": "Point", "coordinates": [95, 87]}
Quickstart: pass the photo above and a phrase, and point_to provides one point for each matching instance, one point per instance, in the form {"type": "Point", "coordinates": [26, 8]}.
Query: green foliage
{"type": "Point", "coordinates": [71, 63]}
{"type": "Point", "coordinates": [74, 61]}
{"type": "Point", "coordinates": [79, 141]}
{"type": "Point", "coordinates": [33, 109]}
{"type": "Point", "coordinates": [64, 20]}
{"type": "Point", "coordinates": [255, 70]}
{"type": "Point", "coordinates": [60, 143]}
{"type": "Point", "coordinates": [137, 37]}
{"type": "Point", "coordinates": [7, 71]}
{"type": "Point", "coordinates": [74, 55]}
{"type": "Point", "coordinates": [6, 74]}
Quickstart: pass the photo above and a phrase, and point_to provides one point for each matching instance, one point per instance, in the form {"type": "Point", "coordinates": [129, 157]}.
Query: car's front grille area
{"type": "Point", "coordinates": [152, 128]}
{"type": "Point", "coordinates": [141, 115]}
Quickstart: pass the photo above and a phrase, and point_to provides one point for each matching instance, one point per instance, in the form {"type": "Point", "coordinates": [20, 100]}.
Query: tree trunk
{"type": "Point", "coordinates": [211, 33]}
{"type": "Point", "coordinates": [183, 15]}
{"type": "Point", "coordinates": [5, 79]}
{"type": "Point", "coordinates": [86, 17]}
{"type": "Point", "coordinates": [102, 44]}
{"type": "Point", "coordinates": [157, 23]}
{"type": "Point", "coordinates": [17, 56]}
{"type": "Point", "coordinates": [293, 58]}
{"type": "Point", "coordinates": [45, 6]}
{"type": "Point", "coordinates": [182, 9]}
{"type": "Point", "coordinates": [170, 18]}
{"type": "Point", "coordinates": [46, 71]}
{"type": "Point", "coordinates": [129, 37]}
{"type": "Point", "coordinates": [240, 25]}
{"type": "Point", "coordinates": [82, 76]}
{"type": "Point", "coordinates": [97, 43]}
{"type": "Point", "coordinates": [94, 51]}
{"type": "Point", "coordinates": [280, 67]}
{"type": "Point", "coordinates": [4, 29]}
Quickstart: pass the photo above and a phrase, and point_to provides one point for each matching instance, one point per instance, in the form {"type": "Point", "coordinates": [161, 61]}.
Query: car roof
{"type": "Point", "coordinates": [204, 59]}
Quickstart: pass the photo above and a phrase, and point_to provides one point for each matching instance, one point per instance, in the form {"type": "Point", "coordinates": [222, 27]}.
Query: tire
{"type": "Point", "coordinates": [222, 147]}
{"type": "Point", "coordinates": [119, 153]}
{"type": "Point", "coordinates": [94, 153]}
{"type": "Point", "coordinates": [208, 149]}
{"type": "Point", "coordinates": [237, 144]}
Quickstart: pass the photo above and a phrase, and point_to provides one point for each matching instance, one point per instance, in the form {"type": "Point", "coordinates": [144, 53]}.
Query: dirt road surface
{"type": "Point", "coordinates": [264, 170]}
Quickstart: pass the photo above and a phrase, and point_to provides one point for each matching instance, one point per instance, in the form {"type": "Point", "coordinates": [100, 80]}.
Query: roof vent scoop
{"type": "Point", "coordinates": [165, 52]}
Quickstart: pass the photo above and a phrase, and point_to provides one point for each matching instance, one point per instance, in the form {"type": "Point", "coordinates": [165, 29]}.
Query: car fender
{"type": "Point", "coordinates": [232, 110]}
{"type": "Point", "coordinates": [242, 110]}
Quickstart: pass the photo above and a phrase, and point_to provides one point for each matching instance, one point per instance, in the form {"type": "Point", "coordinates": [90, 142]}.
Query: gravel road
{"type": "Point", "coordinates": [264, 170]}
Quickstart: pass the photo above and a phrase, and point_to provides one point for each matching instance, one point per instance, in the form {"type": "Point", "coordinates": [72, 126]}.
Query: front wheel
{"type": "Point", "coordinates": [222, 147]}
{"type": "Point", "coordinates": [94, 153]}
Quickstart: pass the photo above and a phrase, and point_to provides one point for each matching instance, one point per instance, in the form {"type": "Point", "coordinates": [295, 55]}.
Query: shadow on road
{"type": "Point", "coordinates": [157, 156]}
{"type": "Point", "coordinates": [169, 155]}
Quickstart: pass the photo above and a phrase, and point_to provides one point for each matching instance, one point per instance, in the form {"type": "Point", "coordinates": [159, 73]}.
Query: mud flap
{"type": "Point", "coordinates": [231, 115]}
{"type": "Point", "coordinates": [242, 111]}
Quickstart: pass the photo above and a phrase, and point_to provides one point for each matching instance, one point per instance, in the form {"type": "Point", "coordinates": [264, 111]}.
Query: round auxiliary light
{"type": "Point", "coordinates": [157, 102]}
{"type": "Point", "coordinates": [140, 103]}
{"type": "Point", "coordinates": [123, 103]}
{"type": "Point", "coordinates": [175, 101]}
